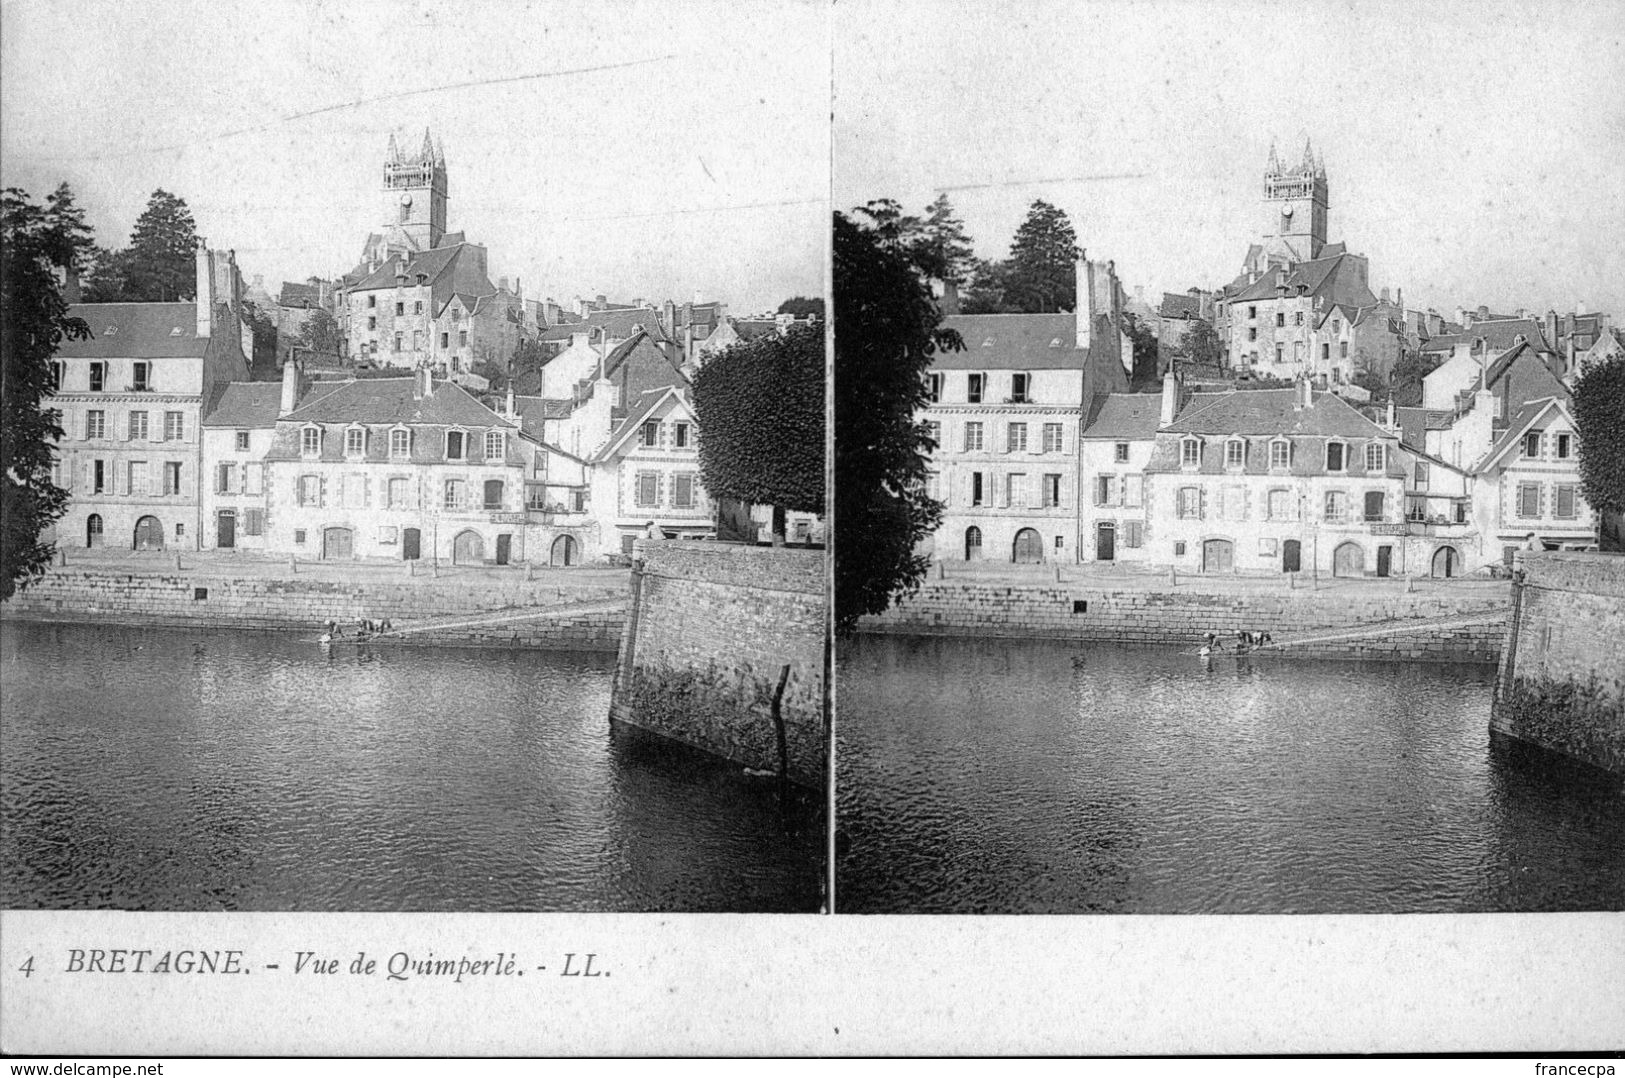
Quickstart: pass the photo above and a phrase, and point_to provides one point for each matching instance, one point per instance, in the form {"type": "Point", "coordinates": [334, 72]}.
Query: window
{"type": "Point", "coordinates": [1052, 491]}
{"type": "Point", "coordinates": [1019, 384]}
{"type": "Point", "coordinates": [973, 437]}
{"type": "Point", "coordinates": [1421, 475]}
{"type": "Point", "coordinates": [535, 496]}
{"type": "Point", "coordinates": [682, 491]}
{"type": "Point", "coordinates": [456, 445]}
{"type": "Point", "coordinates": [1105, 489]}
{"type": "Point", "coordinates": [225, 479]}
{"type": "Point", "coordinates": [933, 388]}
{"type": "Point", "coordinates": [299, 536]}
{"type": "Point", "coordinates": [399, 492]}
{"type": "Point", "coordinates": [578, 501]}
{"type": "Point", "coordinates": [400, 309]}
{"type": "Point", "coordinates": [1235, 453]}
{"type": "Point", "coordinates": [174, 426]}
{"type": "Point", "coordinates": [98, 377]}
{"type": "Point", "coordinates": [172, 477]}
{"type": "Point", "coordinates": [1016, 440]}
{"type": "Point", "coordinates": [310, 491]}
{"type": "Point", "coordinates": [493, 494]}
{"type": "Point", "coordinates": [496, 445]}
{"type": "Point", "coordinates": [933, 486]}
{"type": "Point", "coordinates": [1565, 501]}
{"type": "Point", "coordinates": [1252, 333]}
{"type": "Point", "coordinates": [1280, 453]}
{"type": "Point", "coordinates": [456, 495]}
{"type": "Point", "coordinates": [1564, 446]}
{"type": "Point", "coordinates": [1325, 351]}
{"type": "Point", "coordinates": [1529, 500]}
{"type": "Point", "coordinates": [1374, 506]}
{"type": "Point", "coordinates": [1297, 351]}
{"type": "Point", "coordinates": [679, 435]}
{"type": "Point", "coordinates": [372, 323]}
{"type": "Point", "coordinates": [138, 426]}
{"type": "Point", "coordinates": [1297, 318]}
{"type": "Point", "coordinates": [1337, 507]}
{"type": "Point", "coordinates": [400, 443]}
{"type": "Point", "coordinates": [976, 492]}
{"type": "Point", "coordinates": [1133, 534]}
{"type": "Point", "coordinates": [1376, 457]}
{"type": "Point", "coordinates": [1252, 312]}
{"type": "Point", "coordinates": [417, 307]}
{"type": "Point", "coordinates": [462, 338]}
{"type": "Point", "coordinates": [1190, 503]}
{"type": "Point", "coordinates": [1531, 444]}
{"type": "Point", "coordinates": [649, 435]}
{"type": "Point", "coordinates": [141, 379]}
{"type": "Point", "coordinates": [1337, 325]}
{"type": "Point", "coordinates": [933, 430]}
{"type": "Point", "coordinates": [1190, 452]}
{"type": "Point", "coordinates": [242, 441]}
{"type": "Point", "coordinates": [1133, 491]}
{"type": "Point", "coordinates": [1279, 505]}
{"type": "Point", "coordinates": [445, 340]}
{"type": "Point", "coordinates": [355, 442]}
{"type": "Point", "coordinates": [1335, 454]}
{"type": "Point", "coordinates": [1052, 437]}
{"type": "Point", "coordinates": [98, 477]}
{"type": "Point", "coordinates": [136, 477]}
{"type": "Point", "coordinates": [1343, 349]}
{"type": "Point", "coordinates": [399, 341]}
{"type": "Point", "coordinates": [372, 301]}
{"type": "Point", "coordinates": [1280, 318]}
{"type": "Point", "coordinates": [1120, 452]}
{"type": "Point", "coordinates": [310, 441]}
{"type": "Point", "coordinates": [647, 490]}
{"type": "Point", "coordinates": [1015, 490]}
{"type": "Point", "coordinates": [973, 388]}
{"type": "Point", "coordinates": [1280, 353]}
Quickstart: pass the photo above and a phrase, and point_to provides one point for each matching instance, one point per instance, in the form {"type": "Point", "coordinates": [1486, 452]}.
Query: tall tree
{"type": "Point", "coordinates": [985, 291]}
{"type": "Point", "coordinates": [73, 242]}
{"type": "Point", "coordinates": [942, 251]}
{"type": "Point", "coordinates": [36, 322]}
{"type": "Point", "coordinates": [803, 307]}
{"type": "Point", "coordinates": [320, 333]}
{"type": "Point", "coordinates": [161, 263]}
{"type": "Point", "coordinates": [1043, 262]}
{"type": "Point", "coordinates": [891, 227]}
{"type": "Point", "coordinates": [1599, 420]}
{"type": "Point", "coordinates": [1200, 343]}
{"type": "Point", "coordinates": [887, 334]}
{"type": "Point", "coordinates": [779, 463]}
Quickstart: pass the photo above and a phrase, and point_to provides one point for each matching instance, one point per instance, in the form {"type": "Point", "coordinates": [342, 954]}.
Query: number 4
{"type": "Point", "coordinates": [27, 968]}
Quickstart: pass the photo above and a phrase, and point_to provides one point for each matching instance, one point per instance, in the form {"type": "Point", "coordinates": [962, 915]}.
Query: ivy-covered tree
{"type": "Point", "coordinates": [1599, 420]}
{"type": "Point", "coordinates": [35, 322]}
{"type": "Point", "coordinates": [159, 266]}
{"type": "Point", "coordinates": [760, 407]}
{"type": "Point", "coordinates": [1043, 261]}
{"type": "Point", "coordinates": [886, 333]}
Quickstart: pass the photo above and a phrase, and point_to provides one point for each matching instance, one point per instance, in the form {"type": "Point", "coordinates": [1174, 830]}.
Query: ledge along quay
{"type": "Point", "coordinates": [406, 588]}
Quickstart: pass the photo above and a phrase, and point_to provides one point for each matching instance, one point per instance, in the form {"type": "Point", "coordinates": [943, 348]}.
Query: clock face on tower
{"type": "Point", "coordinates": [406, 200]}
{"type": "Point", "coordinates": [1286, 211]}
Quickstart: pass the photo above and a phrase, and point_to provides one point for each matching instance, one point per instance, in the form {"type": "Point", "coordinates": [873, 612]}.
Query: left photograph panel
{"type": "Point", "coordinates": [415, 458]}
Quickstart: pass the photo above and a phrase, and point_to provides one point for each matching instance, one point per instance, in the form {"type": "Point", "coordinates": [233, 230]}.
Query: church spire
{"type": "Point", "coordinates": [1274, 166]}
{"type": "Point", "coordinates": [440, 153]}
{"type": "Point", "coordinates": [427, 154]}
{"type": "Point", "coordinates": [393, 157]}
{"type": "Point", "coordinates": [1308, 157]}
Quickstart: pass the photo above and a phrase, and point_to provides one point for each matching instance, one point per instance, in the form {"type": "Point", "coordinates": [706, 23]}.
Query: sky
{"type": "Point", "coordinates": [1475, 153]}
{"type": "Point", "coordinates": [639, 150]}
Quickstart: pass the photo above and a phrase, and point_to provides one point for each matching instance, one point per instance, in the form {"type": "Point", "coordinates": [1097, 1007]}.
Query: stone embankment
{"type": "Point", "coordinates": [548, 610]}
{"type": "Point", "coordinates": [1345, 620]}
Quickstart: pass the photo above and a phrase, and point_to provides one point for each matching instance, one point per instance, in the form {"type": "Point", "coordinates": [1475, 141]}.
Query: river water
{"type": "Point", "coordinates": [148, 769]}
{"type": "Point", "coordinates": [1026, 776]}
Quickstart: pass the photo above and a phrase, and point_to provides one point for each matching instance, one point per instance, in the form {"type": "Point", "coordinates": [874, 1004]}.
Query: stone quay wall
{"type": "Point", "coordinates": [1562, 675]}
{"type": "Point", "coordinates": [194, 599]}
{"type": "Point", "coordinates": [1076, 611]}
{"type": "Point", "coordinates": [710, 627]}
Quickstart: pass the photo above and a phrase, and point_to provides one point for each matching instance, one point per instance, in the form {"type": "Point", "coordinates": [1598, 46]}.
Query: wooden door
{"type": "Point", "coordinates": [1105, 542]}
{"type": "Point", "coordinates": [338, 543]}
{"type": "Point", "coordinates": [504, 548]}
{"type": "Point", "coordinates": [1385, 559]}
{"type": "Point", "coordinates": [411, 545]}
{"type": "Point", "coordinates": [1029, 547]}
{"type": "Point", "coordinates": [1218, 556]}
{"type": "Point", "coordinates": [564, 550]}
{"type": "Point", "coordinates": [225, 529]}
{"type": "Point", "coordinates": [1348, 560]}
{"type": "Point", "coordinates": [468, 549]}
{"type": "Point", "coordinates": [1291, 556]}
{"type": "Point", "coordinates": [149, 534]}
{"type": "Point", "coordinates": [1444, 562]}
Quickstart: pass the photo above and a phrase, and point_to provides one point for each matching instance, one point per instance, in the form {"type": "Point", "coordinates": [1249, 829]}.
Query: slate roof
{"type": "Point", "coordinates": [1515, 428]}
{"type": "Point", "coordinates": [1124, 416]}
{"type": "Point", "coordinates": [395, 400]}
{"type": "Point", "coordinates": [534, 410]}
{"type": "Point", "coordinates": [1180, 305]}
{"type": "Point", "coordinates": [645, 404]}
{"type": "Point", "coordinates": [1499, 334]}
{"type": "Point", "coordinates": [137, 331]}
{"type": "Point", "coordinates": [1013, 342]}
{"type": "Point", "coordinates": [751, 329]}
{"type": "Point", "coordinates": [1414, 423]}
{"type": "Point", "coordinates": [244, 404]}
{"type": "Point", "coordinates": [307, 296]}
{"type": "Point", "coordinates": [1269, 412]}
{"type": "Point", "coordinates": [620, 324]}
{"type": "Point", "coordinates": [1334, 279]}
{"type": "Point", "coordinates": [450, 270]}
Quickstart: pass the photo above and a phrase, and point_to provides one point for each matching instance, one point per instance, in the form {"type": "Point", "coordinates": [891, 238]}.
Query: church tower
{"type": "Point", "coordinates": [1295, 208]}
{"type": "Point", "coordinates": [414, 195]}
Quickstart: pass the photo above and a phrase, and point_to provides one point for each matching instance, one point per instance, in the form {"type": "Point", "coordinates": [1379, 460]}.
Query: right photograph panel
{"type": "Point", "coordinates": [1226, 464]}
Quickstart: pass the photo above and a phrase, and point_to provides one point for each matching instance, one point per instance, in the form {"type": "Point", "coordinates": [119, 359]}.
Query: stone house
{"type": "Point", "coordinates": [1526, 488]}
{"type": "Point", "coordinates": [132, 399]}
{"type": "Point", "coordinates": [649, 471]}
{"type": "Point", "coordinates": [239, 428]}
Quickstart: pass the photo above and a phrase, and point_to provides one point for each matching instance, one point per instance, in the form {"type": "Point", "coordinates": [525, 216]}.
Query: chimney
{"type": "Point", "coordinates": [1170, 399]}
{"type": "Point", "coordinates": [1306, 394]}
{"type": "Point", "coordinates": [950, 297]}
{"type": "Point", "coordinates": [424, 379]}
{"type": "Point", "coordinates": [205, 288]}
{"type": "Point", "coordinates": [668, 318]}
{"type": "Point", "coordinates": [697, 296]}
{"type": "Point", "coordinates": [1082, 311]}
{"type": "Point", "coordinates": [1551, 328]}
{"type": "Point", "coordinates": [511, 413]}
{"type": "Point", "coordinates": [1393, 415]}
{"type": "Point", "coordinates": [290, 386]}
{"type": "Point", "coordinates": [502, 284]}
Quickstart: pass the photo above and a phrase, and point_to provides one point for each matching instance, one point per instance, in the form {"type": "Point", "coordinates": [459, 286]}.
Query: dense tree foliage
{"type": "Point", "coordinates": [760, 407]}
{"type": "Point", "coordinates": [34, 241]}
{"type": "Point", "coordinates": [886, 333]}
{"type": "Point", "coordinates": [984, 292]}
{"type": "Point", "coordinates": [803, 307]}
{"type": "Point", "coordinates": [1405, 384]}
{"type": "Point", "coordinates": [942, 250]}
{"type": "Point", "coordinates": [1146, 375]}
{"type": "Point", "coordinates": [1599, 420]}
{"type": "Point", "coordinates": [159, 266]}
{"type": "Point", "coordinates": [1200, 343]}
{"type": "Point", "coordinates": [1039, 276]}
{"type": "Point", "coordinates": [265, 336]}
{"type": "Point", "coordinates": [320, 333]}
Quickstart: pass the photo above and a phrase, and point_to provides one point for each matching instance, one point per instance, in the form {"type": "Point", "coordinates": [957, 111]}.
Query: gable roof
{"type": "Point", "coordinates": [137, 331]}
{"type": "Point", "coordinates": [1268, 412]}
{"type": "Point", "coordinates": [1518, 426]}
{"type": "Point", "coordinates": [299, 295]}
{"type": "Point", "coordinates": [1414, 423]}
{"type": "Point", "coordinates": [1124, 415]}
{"type": "Point", "coordinates": [534, 411]}
{"type": "Point", "coordinates": [1500, 334]}
{"type": "Point", "coordinates": [245, 404]}
{"type": "Point", "coordinates": [1180, 305]}
{"type": "Point", "coordinates": [619, 324]}
{"type": "Point", "coordinates": [450, 270]}
{"type": "Point", "coordinates": [1335, 279]}
{"type": "Point", "coordinates": [641, 409]}
{"type": "Point", "coordinates": [1013, 342]}
{"type": "Point", "coordinates": [395, 400]}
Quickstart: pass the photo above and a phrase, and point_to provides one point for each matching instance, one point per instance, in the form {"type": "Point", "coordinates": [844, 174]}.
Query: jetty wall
{"type": "Point", "coordinates": [709, 630]}
{"type": "Point", "coordinates": [1562, 673]}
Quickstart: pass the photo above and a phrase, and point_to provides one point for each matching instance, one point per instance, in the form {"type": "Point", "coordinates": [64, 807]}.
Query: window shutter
{"type": "Point", "coordinates": [129, 427]}
{"type": "Point", "coordinates": [1201, 503]}
{"type": "Point", "coordinates": [154, 476]}
{"type": "Point", "coordinates": [321, 492]}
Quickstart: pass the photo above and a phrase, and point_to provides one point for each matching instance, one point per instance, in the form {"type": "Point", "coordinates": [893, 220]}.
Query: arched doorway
{"type": "Point", "coordinates": [1348, 560]}
{"type": "Point", "coordinates": [973, 543]}
{"type": "Point", "coordinates": [468, 549]}
{"type": "Point", "coordinates": [338, 543]}
{"type": "Point", "coordinates": [1291, 556]}
{"type": "Point", "coordinates": [1446, 562]}
{"type": "Point", "coordinates": [564, 551]}
{"type": "Point", "coordinates": [1218, 556]}
{"type": "Point", "coordinates": [93, 530]}
{"type": "Point", "coordinates": [149, 534]}
{"type": "Point", "coordinates": [1029, 547]}
{"type": "Point", "coordinates": [1105, 541]}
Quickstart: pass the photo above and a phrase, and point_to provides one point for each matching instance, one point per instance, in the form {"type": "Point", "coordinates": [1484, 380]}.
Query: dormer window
{"type": "Point", "coordinates": [1190, 452]}
{"type": "Point", "coordinates": [1531, 444]}
{"type": "Point", "coordinates": [649, 434]}
{"type": "Point", "coordinates": [400, 443]}
{"type": "Point", "coordinates": [1235, 453]}
{"type": "Point", "coordinates": [310, 441]}
{"type": "Point", "coordinates": [1019, 386]}
{"type": "Point", "coordinates": [1376, 458]}
{"type": "Point", "coordinates": [496, 445]}
{"type": "Point", "coordinates": [1280, 454]}
{"type": "Point", "coordinates": [679, 435]}
{"type": "Point", "coordinates": [175, 331]}
{"type": "Point", "coordinates": [1336, 456]}
{"type": "Point", "coordinates": [355, 441]}
{"type": "Point", "coordinates": [933, 388]}
{"type": "Point", "coordinates": [98, 377]}
{"type": "Point", "coordinates": [456, 445]}
{"type": "Point", "coordinates": [974, 385]}
{"type": "Point", "coordinates": [1055, 342]}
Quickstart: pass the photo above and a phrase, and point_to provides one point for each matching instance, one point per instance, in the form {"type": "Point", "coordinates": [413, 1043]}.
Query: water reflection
{"type": "Point", "coordinates": [152, 769]}
{"type": "Point", "coordinates": [1022, 776]}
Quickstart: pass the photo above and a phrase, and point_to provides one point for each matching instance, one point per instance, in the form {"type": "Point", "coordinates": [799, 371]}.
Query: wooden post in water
{"type": "Point", "coordinates": [778, 722]}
